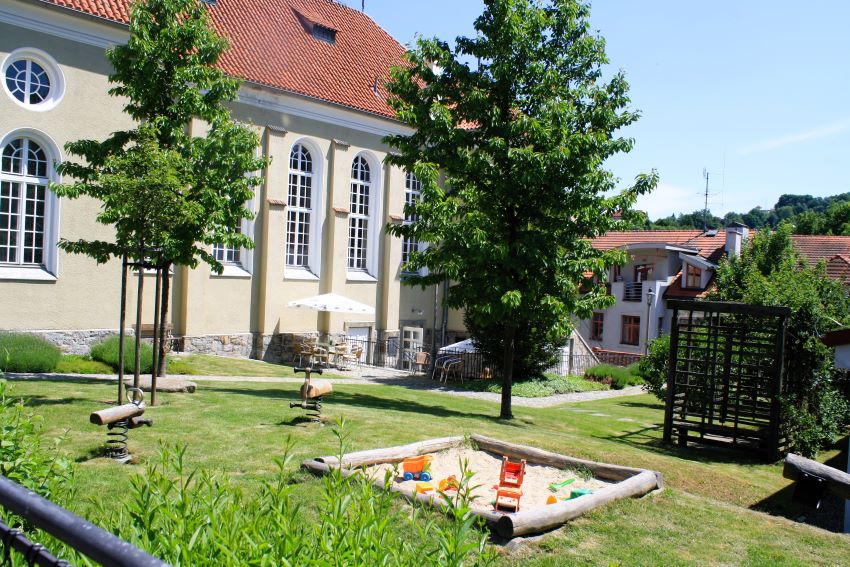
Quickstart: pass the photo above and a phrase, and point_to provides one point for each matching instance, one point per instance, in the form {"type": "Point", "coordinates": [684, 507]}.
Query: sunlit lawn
{"type": "Point", "coordinates": [704, 517]}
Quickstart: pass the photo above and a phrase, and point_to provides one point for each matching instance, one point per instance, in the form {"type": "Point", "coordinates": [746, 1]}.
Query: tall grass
{"type": "Point", "coordinates": [20, 352]}
{"type": "Point", "coordinates": [193, 517]}
{"type": "Point", "coordinates": [617, 376]}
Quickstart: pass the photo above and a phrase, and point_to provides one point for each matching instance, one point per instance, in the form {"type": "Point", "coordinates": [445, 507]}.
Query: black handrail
{"type": "Point", "coordinates": [90, 540]}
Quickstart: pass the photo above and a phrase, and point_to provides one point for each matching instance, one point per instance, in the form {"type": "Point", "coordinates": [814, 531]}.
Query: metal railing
{"type": "Point", "coordinates": [390, 353]}
{"type": "Point", "coordinates": [79, 534]}
{"type": "Point", "coordinates": [632, 291]}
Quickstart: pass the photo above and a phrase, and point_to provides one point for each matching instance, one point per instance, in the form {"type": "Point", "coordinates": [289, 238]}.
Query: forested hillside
{"type": "Point", "coordinates": [809, 215]}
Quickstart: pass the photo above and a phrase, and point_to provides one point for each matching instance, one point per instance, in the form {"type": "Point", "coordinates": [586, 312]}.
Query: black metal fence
{"type": "Point", "coordinates": [39, 513]}
{"type": "Point", "coordinates": [391, 353]}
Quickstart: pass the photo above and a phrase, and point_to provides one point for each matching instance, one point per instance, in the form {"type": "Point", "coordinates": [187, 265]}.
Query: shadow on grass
{"type": "Point", "coordinates": [646, 405]}
{"type": "Point", "coordinates": [63, 378]}
{"type": "Point", "coordinates": [36, 400]}
{"type": "Point", "coordinates": [831, 511]}
{"type": "Point", "coordinates": [361, 400]}
{"type": "Point", "coordinates": [649, 439]}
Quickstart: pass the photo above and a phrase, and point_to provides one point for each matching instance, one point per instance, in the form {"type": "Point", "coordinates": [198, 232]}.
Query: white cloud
{"type": "Point", "coordinates": [800, 137]}
{"type": "Point", "coordinates": [669, 199]}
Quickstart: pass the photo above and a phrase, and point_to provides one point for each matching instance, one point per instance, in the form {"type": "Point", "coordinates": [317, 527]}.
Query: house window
{"type": "Point", "coordinates": [32, 79]}
{"type": "Point", "coordinates": [630, 334]}
{"type": "Point", "coordinates": [299, 211]}
{"type": "Point", "coordinates": [412, 195]}
{"type": "Point", "coordinates": [23, 201]}
{"type": "Point", "coordinates": [323, 33]}
{"type": "Point", "coordinates": [693, 277]}
{"type": "Point", "coordinates": [358, 219]}
{"type": "Point", "coordinates": [231, 255]}
{"type": "Point", "coordinates": [596, 326]}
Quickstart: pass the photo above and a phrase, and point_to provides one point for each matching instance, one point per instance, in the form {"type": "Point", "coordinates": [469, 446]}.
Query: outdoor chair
{"type": "Point", "coordinates": [339, 356]}
{"type": "Point", "coordinates": [446, 367]}
{"type": "Point", "coordinates": [354, 356]}
{"type": "Point", "coordinates": [321, 356]}
{"type": "Point", "coordinates": [421, 361]}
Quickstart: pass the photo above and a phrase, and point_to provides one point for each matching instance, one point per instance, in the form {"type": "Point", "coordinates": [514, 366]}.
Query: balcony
{"type": "Point", "coordinates": [632, 291]}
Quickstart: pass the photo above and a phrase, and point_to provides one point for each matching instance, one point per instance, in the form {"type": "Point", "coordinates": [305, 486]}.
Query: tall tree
{"type": "Point", "coordinates": [519, 121]}
{"type": "Point", "coordinates": [159, 186]}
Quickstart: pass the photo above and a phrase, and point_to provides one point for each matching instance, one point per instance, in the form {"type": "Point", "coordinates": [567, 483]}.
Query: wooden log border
{"type": "Point", "coordinates": [630, 482]}
{"type": "Point", "coordinates": [838, 482]}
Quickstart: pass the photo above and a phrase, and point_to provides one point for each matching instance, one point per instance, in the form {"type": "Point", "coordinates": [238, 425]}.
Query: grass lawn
{"type": "Point", "coordinates": [707, 515]}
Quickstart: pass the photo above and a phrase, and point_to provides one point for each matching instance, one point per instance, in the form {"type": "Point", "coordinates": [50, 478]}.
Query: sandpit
{"type": "Point", "coordinates": [486, 467]}
{"type": "Point", "coordinates": [484, 455]}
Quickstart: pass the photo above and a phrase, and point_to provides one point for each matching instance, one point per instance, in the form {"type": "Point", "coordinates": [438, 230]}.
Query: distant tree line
{"type": "Point", "coordinates": [807, 214]}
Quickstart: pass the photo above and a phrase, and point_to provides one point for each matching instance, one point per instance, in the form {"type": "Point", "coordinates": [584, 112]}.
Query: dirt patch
{"type": "Point", "coordinates": [486, 467]}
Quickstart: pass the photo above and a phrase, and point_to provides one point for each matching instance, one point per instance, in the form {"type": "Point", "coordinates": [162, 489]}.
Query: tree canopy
{"type": "Point", "coordinates": [511, 130]}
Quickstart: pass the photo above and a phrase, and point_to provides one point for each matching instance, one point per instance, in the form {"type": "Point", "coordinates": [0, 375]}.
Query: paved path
{"type": "Point", "coordinates": [383, 377]}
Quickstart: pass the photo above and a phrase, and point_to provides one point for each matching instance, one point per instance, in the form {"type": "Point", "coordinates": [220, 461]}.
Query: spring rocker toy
{"type": "Point", "coordinates": [312, 393]}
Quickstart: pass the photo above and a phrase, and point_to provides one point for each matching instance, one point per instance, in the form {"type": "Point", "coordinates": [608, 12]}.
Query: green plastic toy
{"type": "Point", "coordinates": [580, 492]}
{"type": "Point", "coordinates": [556, 486]}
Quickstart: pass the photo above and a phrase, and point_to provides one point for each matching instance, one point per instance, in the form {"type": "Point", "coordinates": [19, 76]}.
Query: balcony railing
{"type": "Point", "coordinates": [632, 291]}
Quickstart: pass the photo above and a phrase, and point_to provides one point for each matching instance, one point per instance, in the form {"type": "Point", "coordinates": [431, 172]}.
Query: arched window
{"type": "Point", "coordinates": [299, 212]}
{"type": "Point", "coordinates": [358, 219]}
{"type": "Point", "coordinates": [412, 195]}
{"type": "Point", "coordinates": [24, 175]}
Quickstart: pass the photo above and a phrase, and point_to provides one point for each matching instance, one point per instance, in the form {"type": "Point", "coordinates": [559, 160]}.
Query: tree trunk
{"type": "Point", "coordinates": [156, 335]}
{"type": "Point", "coordinates": [508, 373]}
{"type": "Point", "coordinates": [140, 295]}
{"type": "Point", "coordinates": [163, 320]}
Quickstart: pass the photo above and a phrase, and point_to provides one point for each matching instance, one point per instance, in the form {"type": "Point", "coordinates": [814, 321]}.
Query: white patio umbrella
{"type": "Point", "coordinates": [462, 346]}
{"type": "Point", "coordinates": [332, 302]}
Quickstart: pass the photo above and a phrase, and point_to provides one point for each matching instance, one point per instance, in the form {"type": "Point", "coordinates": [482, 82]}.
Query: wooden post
{"type": "Point", "coordinates": [671, 376]}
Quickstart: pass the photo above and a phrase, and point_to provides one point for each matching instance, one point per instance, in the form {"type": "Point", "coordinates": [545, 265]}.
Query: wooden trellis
{"type": "Point", "coordinates": [725, 376]}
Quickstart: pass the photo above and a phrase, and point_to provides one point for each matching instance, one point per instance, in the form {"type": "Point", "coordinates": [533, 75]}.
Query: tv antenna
{"type": "Point", "coordinates": [706, 174]}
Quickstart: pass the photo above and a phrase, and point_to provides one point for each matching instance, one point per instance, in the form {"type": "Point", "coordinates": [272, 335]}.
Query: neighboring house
{"type": "Point", "coordinates": [313, 91]}
{"type": "Point", "coordinates": [676, 264]}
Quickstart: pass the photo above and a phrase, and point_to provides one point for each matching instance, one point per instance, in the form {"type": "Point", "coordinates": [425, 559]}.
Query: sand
{"type": "Point", "coordinates": [535, 487]}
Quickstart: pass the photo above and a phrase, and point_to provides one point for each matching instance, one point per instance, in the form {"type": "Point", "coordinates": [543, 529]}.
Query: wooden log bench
{"type": "Point", "coordinates": [813, 479]}
{"type": "Point", "coordinates": [120, 419]}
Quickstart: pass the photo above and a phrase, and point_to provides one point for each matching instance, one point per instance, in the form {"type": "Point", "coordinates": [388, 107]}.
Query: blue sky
{"type": "Point", "coordinates": [756, 91]}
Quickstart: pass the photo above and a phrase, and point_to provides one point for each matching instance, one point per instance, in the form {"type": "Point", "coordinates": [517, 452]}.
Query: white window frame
{"type": "Point", "coordinates": [51, 68]}
{"type": "Point", "coordinates": [373, 229]}
{"type": "Point", "coordinates": [48, 270]}
{"type": "Point", "coordinates": [244, 268]}
{"type": "Point", "coordinates": [311, 271]}
{"type": "Point", "coordinates": [412, 194]}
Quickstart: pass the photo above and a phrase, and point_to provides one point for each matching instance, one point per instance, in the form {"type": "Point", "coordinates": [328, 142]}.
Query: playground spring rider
{"type": "Point", "coordinates": [119, 420]}
{"type": "Point", "coordinates": [311, 394]}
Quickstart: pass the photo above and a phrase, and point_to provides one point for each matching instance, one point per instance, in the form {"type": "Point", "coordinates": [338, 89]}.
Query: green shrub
{"type": "Point", "coordinates": [653, 367]}
{"type": "Point", "coordinates": [549, 385]}
{"type": "Point", "coordinates": [617, 377]}
{"type": "Point", "coordinates": [107, 351]}
{"type": "Point", "coordinates": [20, 352]}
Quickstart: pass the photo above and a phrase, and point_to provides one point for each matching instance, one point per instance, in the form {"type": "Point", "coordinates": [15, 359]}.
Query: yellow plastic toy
{"type": "Point", "coordinates": [449, 483]}
{"type": "Point", "coordinates": [424, 487]}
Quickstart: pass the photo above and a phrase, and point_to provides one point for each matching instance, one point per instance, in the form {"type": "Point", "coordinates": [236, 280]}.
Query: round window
{"type": "Point", "coordinates": [33, 79]}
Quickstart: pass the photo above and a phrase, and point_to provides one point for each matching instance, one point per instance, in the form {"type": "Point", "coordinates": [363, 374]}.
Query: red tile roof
{"type": "Point", "coordinates": [706, 245]}
{"type": "Point", "coordinates": [835, 250]}
{"type": "Point", "coordinates": [271, 44]}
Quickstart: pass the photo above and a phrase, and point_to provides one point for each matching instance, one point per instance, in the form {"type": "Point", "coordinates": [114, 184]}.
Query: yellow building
{"type": "Point", "coordinates": [314, 73]}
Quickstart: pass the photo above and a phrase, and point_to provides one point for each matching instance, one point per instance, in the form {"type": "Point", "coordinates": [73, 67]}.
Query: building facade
{"type": "Point", "coordinates": [313, 72]}
{"type": "Point", "coordinates": [676, 264]}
